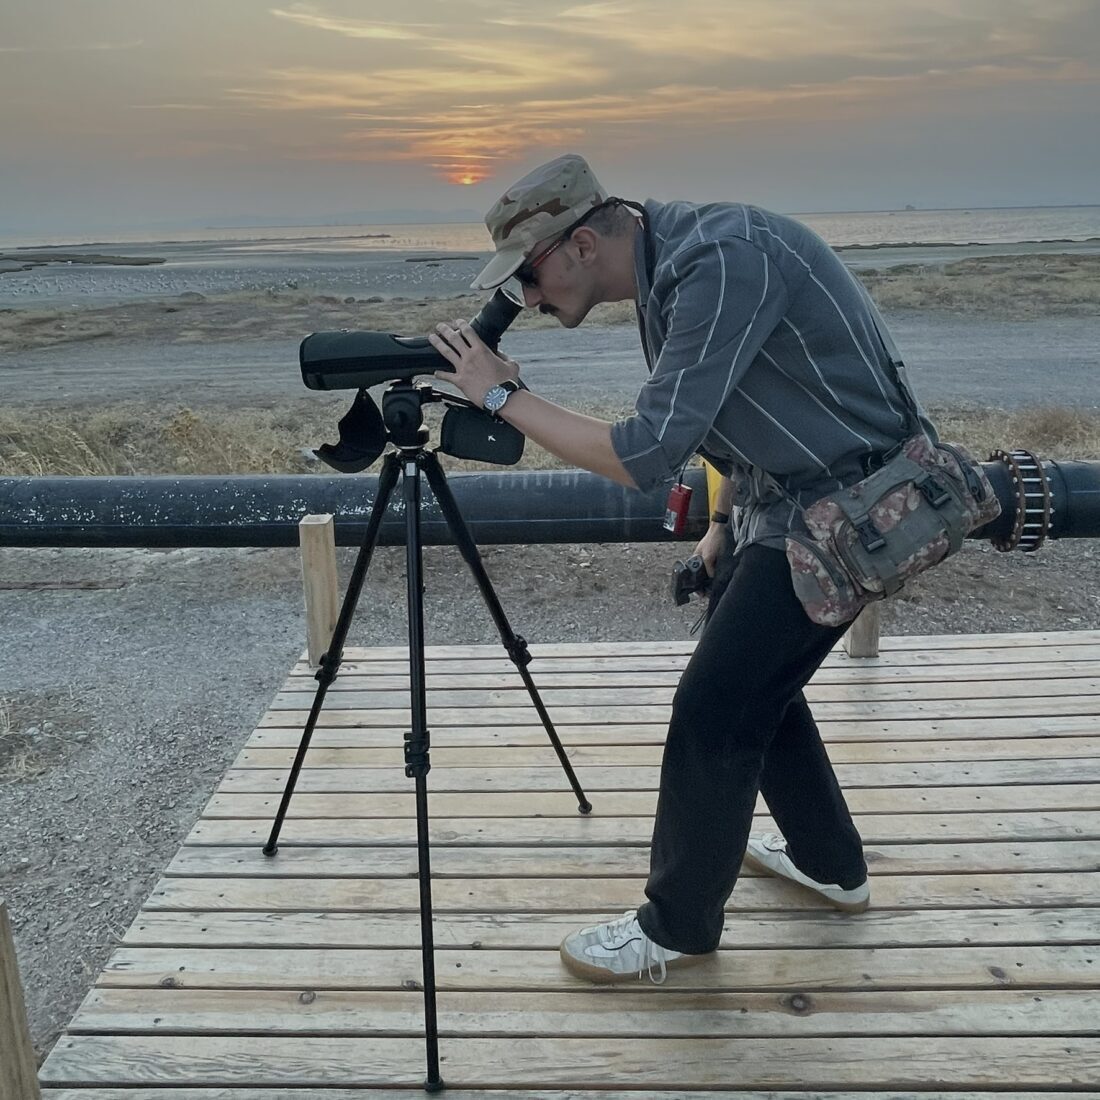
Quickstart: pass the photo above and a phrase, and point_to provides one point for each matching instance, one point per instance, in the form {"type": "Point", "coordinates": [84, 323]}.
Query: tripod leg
{"type": "Point", "coordinates": [417, 747]}
{"type": "Point", "coordinates": [515, 645]}
{"type": "Point", "coordinates": [330, 662]}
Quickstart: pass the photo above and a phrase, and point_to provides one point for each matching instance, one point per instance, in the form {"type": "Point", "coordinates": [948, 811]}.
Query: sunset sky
{"type": "Point", "coordinates": [118, 113]}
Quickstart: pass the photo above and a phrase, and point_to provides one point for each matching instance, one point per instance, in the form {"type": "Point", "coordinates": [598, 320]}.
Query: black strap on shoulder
{"type": "Point", "coordinates": [650, 247]}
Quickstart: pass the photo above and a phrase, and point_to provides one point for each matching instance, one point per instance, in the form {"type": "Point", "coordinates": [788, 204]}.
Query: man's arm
{"type": "Point", "coordinates": [713, 541]}
{"type": "Point", "coordinates": [720, 301]}
{"type": "Point", "coordinates": [723, 498]}
{"type": "Point", "coordinates": [573, 437]}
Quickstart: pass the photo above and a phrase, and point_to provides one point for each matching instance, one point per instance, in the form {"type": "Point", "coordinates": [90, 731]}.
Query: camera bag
{"type": "Point", "coordinates": [864, 542]}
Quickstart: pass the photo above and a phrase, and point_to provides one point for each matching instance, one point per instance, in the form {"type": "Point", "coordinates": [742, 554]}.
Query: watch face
{"type": "Point", "coordinates": [495, 398]}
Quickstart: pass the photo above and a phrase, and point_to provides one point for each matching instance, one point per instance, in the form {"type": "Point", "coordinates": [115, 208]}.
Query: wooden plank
{"type": "Point", "coordinates": [758, 970]}
{"type": "Point", "coordinates": [982, 891]}
{"type": "Point", "coordinates": [18, 1066]}
{"type": "Point", "coordinates": [531, 732]}
{"type": "Point", "coordinates": [630, 1012]}
{"type": "Point", "coordinates": [562, 804]}
{"type": "Point", "coordinates": [984, 773]}
{"type": "Point", "coordinates": [682, 1063]}
{"type": "Point", "coordinates": [626, 670]}
{"type": "Point", "coordinates": [594, 829]}
{"type": "Point", "coordinates": [891, 643]}
{"type": "Point", "coordinates": [374, 697]}
{"type": "Point", "coordinates": [336, 714]}
{"type": "Point", "coordinates": [320, 1092]}
{"type": "Point", "coordinates": [1082, 690]}
{"type": "Point", "coordinates": [811, 930]}
{"type": "Point", "coordinates": [516, 862]}
{"type": "Point", "coordinates": [517, 756]}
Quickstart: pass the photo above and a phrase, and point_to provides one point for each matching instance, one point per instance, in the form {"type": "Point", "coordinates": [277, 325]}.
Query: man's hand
{"type": "Point", "coordinates": [711, 545]}
{"type": "Point", "coordinates": [576, 439]}
{"type": "Point", "coordinates": [476, 369]}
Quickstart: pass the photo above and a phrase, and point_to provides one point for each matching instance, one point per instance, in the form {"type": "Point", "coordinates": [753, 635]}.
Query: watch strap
{"type": "Point", "coordinates": [509, 386]}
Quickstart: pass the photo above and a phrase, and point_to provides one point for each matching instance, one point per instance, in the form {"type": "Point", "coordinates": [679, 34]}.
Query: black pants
{"type": "Point", "coordinates": [741, 725]}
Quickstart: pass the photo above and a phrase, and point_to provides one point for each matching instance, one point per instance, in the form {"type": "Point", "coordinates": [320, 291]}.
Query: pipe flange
{"type": "Point", "coordinates": [1034, 511]}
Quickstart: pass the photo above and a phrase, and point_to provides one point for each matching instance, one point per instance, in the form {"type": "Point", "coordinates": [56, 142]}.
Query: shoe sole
{"type": "Point", "coordinates": [597, 974]}
{"type": "Point", "coordinates": [836, 903]}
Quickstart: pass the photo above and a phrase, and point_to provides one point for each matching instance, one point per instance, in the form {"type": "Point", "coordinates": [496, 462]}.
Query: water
{"type": "Point", "coordinates": [425, 261]}
{"type": "Point", "coordinates": [897, 228]}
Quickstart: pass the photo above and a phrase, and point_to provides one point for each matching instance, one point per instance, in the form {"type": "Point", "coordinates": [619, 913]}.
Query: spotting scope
{"type": "Point", "coordinates": [354, 360]}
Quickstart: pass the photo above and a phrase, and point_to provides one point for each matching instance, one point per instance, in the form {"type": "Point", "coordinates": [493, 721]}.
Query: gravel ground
{"type": "Point", "coordinates": [141, 686]}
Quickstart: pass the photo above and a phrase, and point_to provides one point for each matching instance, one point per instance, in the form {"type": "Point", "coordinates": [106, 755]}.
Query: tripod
{"type": "Point", "coordinates": [405, 428]}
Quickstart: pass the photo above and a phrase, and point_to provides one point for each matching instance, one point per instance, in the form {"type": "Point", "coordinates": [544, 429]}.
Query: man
{"type": "Point", "coordinates": [767, 357]}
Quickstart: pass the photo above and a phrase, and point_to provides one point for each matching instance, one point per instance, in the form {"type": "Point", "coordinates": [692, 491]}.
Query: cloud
{"type": "Point", "coordinates": [82, 47]}
{"type": "Point", "coordinates": [307, 15]}
{"type": "Point", "coordinates": [464, 93]}
{"type": "Point", "coordinates": [172, 107]}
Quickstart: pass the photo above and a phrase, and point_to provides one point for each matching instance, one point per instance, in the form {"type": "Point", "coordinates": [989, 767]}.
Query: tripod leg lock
{"type": "Point", "coordinates": [518, 651]}
{"type": "Point", "coordinates": [328, 666]}
{"type": "Point", "coordinates": [416, 755]}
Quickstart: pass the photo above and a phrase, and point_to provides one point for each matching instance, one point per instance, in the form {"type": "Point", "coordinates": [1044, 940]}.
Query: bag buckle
{"type": "Point", "coordinates": [870, 536]}
{"type": "Point", "coordinates": [933, 491]}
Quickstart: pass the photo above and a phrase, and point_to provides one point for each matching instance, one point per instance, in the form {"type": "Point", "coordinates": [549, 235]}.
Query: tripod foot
{"type": "Point", "coordinates": [434, 1085]}
{"type": "Point", "coordinates": [271, 849]}
{"type": "Point", "coordinates": [584, 807]}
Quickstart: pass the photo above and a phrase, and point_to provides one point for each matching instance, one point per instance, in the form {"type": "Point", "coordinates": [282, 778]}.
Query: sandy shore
{"type": "Point", "coordinates": [86, 276]}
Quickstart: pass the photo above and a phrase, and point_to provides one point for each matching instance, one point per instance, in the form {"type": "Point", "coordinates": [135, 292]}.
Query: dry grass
{"type": "Point", "coordinates": [253, 315]}
{"type": "Point", "coordinates": [22, 755]}
{"type": "Point", "coordinates": [1022, 287]}
{"type": "Point", "coordinates": [146, 439]}
{"type": "Point", "coordinates": [1050, 431]}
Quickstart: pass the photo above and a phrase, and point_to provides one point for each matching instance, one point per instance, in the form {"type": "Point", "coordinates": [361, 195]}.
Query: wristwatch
{"type": "Point", "coordinates": [495, 398]}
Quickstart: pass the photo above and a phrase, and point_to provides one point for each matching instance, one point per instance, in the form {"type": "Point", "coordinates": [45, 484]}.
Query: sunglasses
{"type": "Point", "coordinates": [526, 272]}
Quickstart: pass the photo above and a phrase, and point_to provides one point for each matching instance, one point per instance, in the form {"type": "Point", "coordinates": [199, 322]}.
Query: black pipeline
{"type": "Point", "coordinates": [1054, 500]}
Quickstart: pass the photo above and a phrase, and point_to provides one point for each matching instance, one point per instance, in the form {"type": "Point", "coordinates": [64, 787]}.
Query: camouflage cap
{"type": "Point", "coordinates": [543, 204]}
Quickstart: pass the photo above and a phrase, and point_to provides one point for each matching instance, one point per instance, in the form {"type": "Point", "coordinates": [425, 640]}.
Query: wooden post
{"type": "Point", "coordinates": [317, 535]}
{"type": "Point", "coordinates": [18, 1067]}
{"type": "Point", "coordinates": [862, 637]}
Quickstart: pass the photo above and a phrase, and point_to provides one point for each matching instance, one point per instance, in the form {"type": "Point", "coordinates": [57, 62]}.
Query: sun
{"type": "Point", "coordinates": [462, 174]}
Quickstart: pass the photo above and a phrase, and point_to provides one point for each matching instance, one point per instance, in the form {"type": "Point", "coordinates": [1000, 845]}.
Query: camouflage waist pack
{"type": "Point", "coordinates": [866, 541]}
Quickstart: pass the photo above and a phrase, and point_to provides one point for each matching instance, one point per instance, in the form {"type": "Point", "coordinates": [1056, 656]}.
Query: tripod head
{"type": "Point", "coordinates": [358, 359]}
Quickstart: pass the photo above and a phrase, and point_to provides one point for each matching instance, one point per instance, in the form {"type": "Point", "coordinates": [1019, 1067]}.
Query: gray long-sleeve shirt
{"type": "Point", "coordinates": [764, 356]}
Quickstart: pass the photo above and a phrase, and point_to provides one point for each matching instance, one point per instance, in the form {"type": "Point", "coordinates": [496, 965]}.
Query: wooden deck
{"type": "Point", "coordinates": [972, 765]}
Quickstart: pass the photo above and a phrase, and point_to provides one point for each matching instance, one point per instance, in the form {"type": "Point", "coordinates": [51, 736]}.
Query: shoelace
{"type": "Point", "coordinates": [650, 952]}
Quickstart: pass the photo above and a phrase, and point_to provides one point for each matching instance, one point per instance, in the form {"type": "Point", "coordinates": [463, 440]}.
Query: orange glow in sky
{"type": "Point", "coordinates": [466, 179]}
{"type": "Point", "coordinates": [125, 110]}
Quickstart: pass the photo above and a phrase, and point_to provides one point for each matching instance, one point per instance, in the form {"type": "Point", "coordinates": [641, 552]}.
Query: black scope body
{"type": "Point", "coordinates": [356, 359]}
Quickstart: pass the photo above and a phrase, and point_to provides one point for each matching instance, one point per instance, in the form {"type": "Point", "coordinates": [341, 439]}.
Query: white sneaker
{"type": "Point", "coordinates": [769, 853]}
{"type": "Point", "coordinates": [618, 950]}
